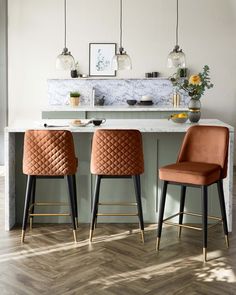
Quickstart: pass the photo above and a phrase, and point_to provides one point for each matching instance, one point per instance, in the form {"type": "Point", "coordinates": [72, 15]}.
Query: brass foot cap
{"type": "Point", "coordinates": [142, 236]}
{"type": "Point", "coordinates": [74, 235]}
{"type": "Point", "coordinates": [22, 236]}
{"type": "Point", "coordinates": [158, 244]}
{"type": "Point", "coordinates": [91, 236]}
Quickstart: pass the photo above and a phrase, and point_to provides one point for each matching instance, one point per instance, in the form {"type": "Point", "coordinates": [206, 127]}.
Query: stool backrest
{"type": "Point", "coordinates": [49, 152]}
{"type": "Point", "coordinates": [206, 144]}
{"type": "Point", "coordinates": [117, 152]}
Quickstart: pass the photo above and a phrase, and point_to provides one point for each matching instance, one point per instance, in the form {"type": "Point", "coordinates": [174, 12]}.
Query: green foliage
{"type": "Point", "coordinates": [194, 90]}
{"type": "Point", "coordinates": [74, 94]}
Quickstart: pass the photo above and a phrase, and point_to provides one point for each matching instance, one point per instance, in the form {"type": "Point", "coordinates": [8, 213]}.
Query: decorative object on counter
{"type": "Point", "coordinates": [75, 71]}
{"type": "Point", "coordinates": [99, 101]}
{"type": "Point", "coordinates": [98, 122]}
{"type": "Point", "coordinates": [195, 86]}
{"type": "Point", "coordinates": [182, 72]}
{"type": "Point", "coordinates": [74, 99]}
{"type": "Point", "coordinates": [148, 75]}
{"type": "Point", "coordinates": [179, 118]}
{"type": "Point", "coordinates": [131, 102]}
{"type": "Point", "coordinates": [65, 61]}
{"type": "Point", "coordinates": [146, 100]}
{"type": "Point", "coordinates": [100, 58]}
{"type": "Point", "coordinates": [151, 75]}
{"type": "Point", "coordinates": [176, 99]}
{"type": "Point", "coordinates": [121, 60]}
{"type": "Point", "coordinates": [155, 74]}
{"type": "Point", "coordinates": [74, 74]}
{"type": "Point", "coordinates": [176, 58]}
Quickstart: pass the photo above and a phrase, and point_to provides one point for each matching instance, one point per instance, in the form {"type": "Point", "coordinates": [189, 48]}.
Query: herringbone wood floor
{"type": "Point", "coordinates": [116, 263]}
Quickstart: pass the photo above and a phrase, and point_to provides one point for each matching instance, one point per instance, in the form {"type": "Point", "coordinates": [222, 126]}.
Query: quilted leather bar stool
{"type": "Point", "coordinates": [117, 154]}
{"type": "Point", "coordinates": [202, 161]}
{"type": "Point", "coordinates": [49, 154]}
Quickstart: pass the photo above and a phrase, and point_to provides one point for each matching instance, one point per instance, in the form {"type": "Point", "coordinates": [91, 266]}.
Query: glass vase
{"type": "Point", "coordinates": [194, 110]}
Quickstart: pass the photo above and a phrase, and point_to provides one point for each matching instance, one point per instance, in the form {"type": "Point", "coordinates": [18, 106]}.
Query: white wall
{"type": "Point", "coordinates": [207, 35]}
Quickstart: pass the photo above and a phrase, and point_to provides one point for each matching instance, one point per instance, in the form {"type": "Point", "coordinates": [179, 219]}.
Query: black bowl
{"type": "Point", "coordinates": [131, 102]}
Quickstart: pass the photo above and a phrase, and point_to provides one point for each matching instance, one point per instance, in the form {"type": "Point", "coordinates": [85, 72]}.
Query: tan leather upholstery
{"type": "Point", "coordinates": [203, 157]}
{"type": "Point", "coordinates": [49, 153]}
{"type": "Point", "coordinates": [117, 152]}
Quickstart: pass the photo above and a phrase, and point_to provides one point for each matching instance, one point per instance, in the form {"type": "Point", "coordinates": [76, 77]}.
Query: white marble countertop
{"type": "Point", "coordinates": [144, 125]}
{"type": "Point", "coordinates": [113, 108]}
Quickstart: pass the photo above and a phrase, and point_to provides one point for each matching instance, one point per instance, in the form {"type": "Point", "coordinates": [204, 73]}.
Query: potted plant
{"type": "Point", "coordinates": [195, 86]}
{"type": "Point", "coordinates": [74, 98]}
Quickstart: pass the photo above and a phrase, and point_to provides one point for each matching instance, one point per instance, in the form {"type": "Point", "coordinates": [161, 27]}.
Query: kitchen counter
{"type": "Point", "coordinates": [115, 108]}
{"type": "Point", "coordinates": [111, 112]}
{"type": "Point", "coordinates": [161, 141]}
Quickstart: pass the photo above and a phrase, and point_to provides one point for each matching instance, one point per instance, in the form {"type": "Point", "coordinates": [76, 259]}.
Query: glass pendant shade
{"type": "Point", "coordinates": [65, 61]}
{"type": "Point", "coordinates": [121, 61]}
{"type": "Point", "coordinates": [176, 58]}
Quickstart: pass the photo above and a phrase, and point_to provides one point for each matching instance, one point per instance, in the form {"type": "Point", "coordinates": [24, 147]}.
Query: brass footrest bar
{"type": "Point", "coordinates": [117, 214]}
{"type": "Point", "coordinates": [48, 204]}
{"type": "Point", "coordinates": [191, 214]}
{"type": "Point", "coordinates": [49, 214]}
{"type": "Point", "coordinates": [118, 204]}
{"type": "Point", "coordinates": [183, 225]}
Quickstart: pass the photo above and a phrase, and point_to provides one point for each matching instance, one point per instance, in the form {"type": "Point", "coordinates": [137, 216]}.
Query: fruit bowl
{"type": "Point", "coordinates": [179, 118]}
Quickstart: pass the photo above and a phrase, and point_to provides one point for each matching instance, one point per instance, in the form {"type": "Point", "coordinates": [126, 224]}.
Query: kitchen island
{"type": "Point", "coordinates": [161, 142]}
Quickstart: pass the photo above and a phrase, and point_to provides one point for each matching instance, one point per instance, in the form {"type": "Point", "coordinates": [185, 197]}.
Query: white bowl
{"type": "Point", "coordinates": [146, 98]}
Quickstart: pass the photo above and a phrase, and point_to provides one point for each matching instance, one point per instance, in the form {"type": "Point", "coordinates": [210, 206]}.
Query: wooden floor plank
{"type": "Point", "coordinates": [116, 263]}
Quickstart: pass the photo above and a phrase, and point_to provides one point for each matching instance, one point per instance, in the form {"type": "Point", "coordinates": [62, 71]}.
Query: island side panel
{"type": "Point", "coordinates": [10, 195]}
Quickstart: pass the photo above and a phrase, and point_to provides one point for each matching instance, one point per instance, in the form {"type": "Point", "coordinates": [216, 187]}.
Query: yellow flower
{"type": "Point", "coordinates": [194, 80]}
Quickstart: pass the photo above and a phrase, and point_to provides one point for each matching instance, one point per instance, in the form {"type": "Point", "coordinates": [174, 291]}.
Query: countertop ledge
{"type": "Point", "coordinates": [144, 125]}
{"type": "Point", "coordinates": [113, 108]}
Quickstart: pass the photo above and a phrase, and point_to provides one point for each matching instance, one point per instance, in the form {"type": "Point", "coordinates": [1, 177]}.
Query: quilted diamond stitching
{"type": "Point", "coordinates": [117, 152]}
{"type": "Point", "coordinates": [49, 152]}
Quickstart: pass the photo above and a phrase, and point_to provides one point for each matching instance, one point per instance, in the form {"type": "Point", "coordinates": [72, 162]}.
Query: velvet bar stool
{"type": "Point", "coordinates": [202, 161]}
{"type": "Point", "coordinates": [49, 154]}
{"type": "Point", "coordinates": [117, 154]}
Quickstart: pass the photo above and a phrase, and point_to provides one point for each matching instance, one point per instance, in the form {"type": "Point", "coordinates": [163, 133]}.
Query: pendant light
{"type": "Point", "coordinates": [121, 60]}
{"type": "Point", "coordinates": [176, 58]}
{"type": "Point", "coordinates": [65, 61]}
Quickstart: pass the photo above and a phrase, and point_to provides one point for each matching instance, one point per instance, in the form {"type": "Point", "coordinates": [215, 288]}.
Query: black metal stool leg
{"type": "Point", "coordinates": [137, 187]}
{"type": "Point", "coordinates": [181, 207]}
{"type": "Point", "coordinates": [71, 200]}
{"type": "Point", "coordinates": [75, 200]}
{"type": "Point", "coordinates": [95, 206]}
{"type": "Point", "coordinates": [33, 200]}
{"type": "Point", "coordinates": [28, 195]}
{"type": "Point", "coordinates": [161, 213]}
{"type": "Point", "coordinates": [204, 220]}
{"type": "Point", "coordinates": [223, 211]}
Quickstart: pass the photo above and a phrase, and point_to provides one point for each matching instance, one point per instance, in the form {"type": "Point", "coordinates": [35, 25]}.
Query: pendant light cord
{"type": "Point", "coordinates": [65, 20]}
{"type": "Point", "coordinates": [121, 8]}
{"type": "Point", "coordinates": [177, 23]}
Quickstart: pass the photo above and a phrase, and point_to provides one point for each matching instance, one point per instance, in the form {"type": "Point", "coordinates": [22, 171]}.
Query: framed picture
{"type": "Point", "coordinates": [100, 59]}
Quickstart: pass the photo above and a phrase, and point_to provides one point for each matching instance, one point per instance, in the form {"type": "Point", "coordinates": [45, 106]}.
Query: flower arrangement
{"type": "Point", "coordinates": [196, 85]}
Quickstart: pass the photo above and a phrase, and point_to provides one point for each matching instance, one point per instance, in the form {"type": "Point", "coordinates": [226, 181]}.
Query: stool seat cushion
{"type": "Point", "coordinates": [196, 173]}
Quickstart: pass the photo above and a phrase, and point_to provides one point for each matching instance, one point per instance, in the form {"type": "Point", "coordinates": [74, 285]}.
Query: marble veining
{"type": "Point", "coordinates": [116, 91]}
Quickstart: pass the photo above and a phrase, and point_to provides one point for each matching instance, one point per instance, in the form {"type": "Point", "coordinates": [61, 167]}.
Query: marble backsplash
{"type": "Point", "coordinates": [116, 91]}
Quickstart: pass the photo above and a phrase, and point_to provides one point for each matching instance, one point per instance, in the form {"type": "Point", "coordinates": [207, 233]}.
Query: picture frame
{"type": "Point", "coordinates": [100, 59]}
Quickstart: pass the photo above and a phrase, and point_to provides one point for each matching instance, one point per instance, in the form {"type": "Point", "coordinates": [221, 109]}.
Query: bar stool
{"type": "Point", "coordinates": [202, 161]}
{"type": "Point", "coordinates": [117, 154]}
{"type": "Point", "coordinates": [49, 154]}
